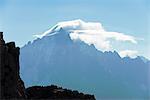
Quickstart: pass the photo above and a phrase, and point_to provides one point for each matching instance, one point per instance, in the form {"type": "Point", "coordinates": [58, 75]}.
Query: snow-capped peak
{"type": "Point", "coordinates": [73, 26]}
{"type": "Point", "coordinates": [90, 33]}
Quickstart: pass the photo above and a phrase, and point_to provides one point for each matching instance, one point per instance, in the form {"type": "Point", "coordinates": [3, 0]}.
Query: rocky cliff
{"type": "Point", "coordinates": [11, 84]}
{"type": "Point", "coordinates": [12, 87]}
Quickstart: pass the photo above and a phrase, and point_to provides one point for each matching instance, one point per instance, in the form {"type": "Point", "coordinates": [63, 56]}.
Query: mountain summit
{"type": "Point", "coordinates": [89, 33]}
{"type": "Point", "coordinates": [73, 58]}
{"type": "Point", "coordinates": [75, 26]}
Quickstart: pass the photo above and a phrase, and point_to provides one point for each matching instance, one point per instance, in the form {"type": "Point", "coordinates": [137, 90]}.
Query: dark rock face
{"type": "Point", "coordinates": [54, 92]}
{"type": "Point", "coordinates": [11, 84]}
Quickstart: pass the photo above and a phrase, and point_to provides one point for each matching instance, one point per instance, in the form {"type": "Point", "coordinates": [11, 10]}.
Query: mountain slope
{"type": "Point", "coordinates": [57, 59]}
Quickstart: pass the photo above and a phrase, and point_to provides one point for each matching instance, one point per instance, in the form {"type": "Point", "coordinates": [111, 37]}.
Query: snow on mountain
{"type": "Point", "coordinates": [129, 53]}
{"type": "Point", "coordinates": [90, 33]}
{"type": "Point", "coordinates": [59, 57]}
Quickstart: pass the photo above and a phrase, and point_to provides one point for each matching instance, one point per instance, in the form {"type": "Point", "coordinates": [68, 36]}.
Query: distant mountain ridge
{"type": "Point", "coordinates": [57, 59]}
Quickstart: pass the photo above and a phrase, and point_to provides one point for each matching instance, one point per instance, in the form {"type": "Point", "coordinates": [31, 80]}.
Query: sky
{"type": "Point", "coordinates": [21, 19]}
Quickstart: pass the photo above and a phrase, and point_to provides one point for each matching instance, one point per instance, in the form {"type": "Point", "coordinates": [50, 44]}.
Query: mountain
{"type": "Point", "coordinates": [12, 87]}
{"type": "Point", "coordinates": [56, 58]}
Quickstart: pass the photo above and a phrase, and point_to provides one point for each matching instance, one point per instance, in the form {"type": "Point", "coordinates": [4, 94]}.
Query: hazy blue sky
{"type": "Point", "coordinates": [21, 19]}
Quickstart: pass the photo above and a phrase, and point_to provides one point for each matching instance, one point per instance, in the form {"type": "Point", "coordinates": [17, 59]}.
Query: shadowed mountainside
{"type": "Point", "coordinates": [75, 64]}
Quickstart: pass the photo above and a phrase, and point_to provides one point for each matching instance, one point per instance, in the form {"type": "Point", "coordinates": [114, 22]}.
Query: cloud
{"type": "Point", "coordinates": [130, 53]}
{"type": "Point", "coordinates": [94, 33]}
{"type": "Point", "coordinates": [91, 33]}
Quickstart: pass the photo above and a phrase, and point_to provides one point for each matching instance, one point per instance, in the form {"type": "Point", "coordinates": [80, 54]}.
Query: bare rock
{"type": "Point", "coordinates": [11, 85]}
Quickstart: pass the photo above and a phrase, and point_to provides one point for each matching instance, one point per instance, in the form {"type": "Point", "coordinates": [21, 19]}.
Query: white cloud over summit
{"type": "Point", "coordinates": [92, 33]}
{"type": "Point", "coordinates": [129, 53]}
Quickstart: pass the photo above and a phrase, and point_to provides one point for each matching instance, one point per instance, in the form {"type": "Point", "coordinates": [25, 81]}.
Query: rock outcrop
{"type": "Point", "coordinates": [11, 85]}
{"type": "Point", "coordinates": [54, 92]}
